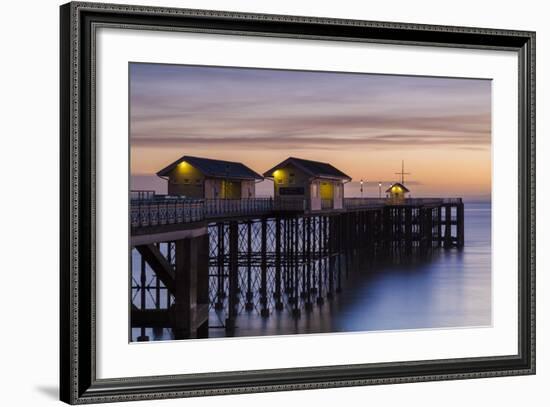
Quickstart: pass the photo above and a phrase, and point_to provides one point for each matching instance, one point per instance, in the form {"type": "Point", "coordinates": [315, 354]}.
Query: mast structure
{"type": "Point", "coordinates": [403, 173]}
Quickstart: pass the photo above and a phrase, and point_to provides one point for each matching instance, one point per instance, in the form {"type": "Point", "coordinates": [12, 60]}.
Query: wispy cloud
{"type": "Point", "coordinates": [474, 141]}
{"type": "Point", "coordinates": [265, 114]}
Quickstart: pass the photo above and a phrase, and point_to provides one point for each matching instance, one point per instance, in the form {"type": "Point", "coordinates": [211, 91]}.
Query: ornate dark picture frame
{"type": "Point", "coordinates": [78, 380]}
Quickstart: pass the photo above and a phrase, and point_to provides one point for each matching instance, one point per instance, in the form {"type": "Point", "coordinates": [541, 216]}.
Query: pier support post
{"type": "Point", "coordinates": [289, 260]}
{"type": "Point", "coordinates": [320, 264]}
{"type": "Point", "coordinates": [307, 258]}
{"type": "Point", "coordinates": [296, 270]}
{"type": "Point", "coordinates": [249, 294]}
{"type": "Point", "coordinates": [190, 309]}
{"type": "Point", "coordinates": [362, 241]}
{"type": "Point", "coordinates": [448, 242]}
{"type": "Point", "coordinates": [263, 266]}
{"type": "Point", "coordinates": [287, 256]}
{"type": "Point", "coordinates": [143, 282]}
{"type": "Point", "coordinates": [399, 228]}
{"type": "Point", "coordinates": [339, 238]}
{"type": "Point", "coordinates": [370, 236]}
{"type": "Point", "coordinates": [312, 253]}
{"type": "Point", "coordinates": [220, 294]}
{"type": "Point", "coordinates": [329, 253]}
{"type": "Point", "coordinates": [460, 224]}
{"type": "Point", "coordinates": [408, 231]}
{"type": "Point", "coordinates": [303, 258]}
{"type": "Point", "coordinates": [233, 277]}
{"type": "Point", "coordinates": [422, 231]}
{"type": "Point", "coordinates": [352, 240]}
{"type": "Point", "coordinates": [387, 226]}
{"type": "Point", "coordinates": [277, 295]}
{"type": "Point", "coordinates": [430, 229]}
{"type": "Point", "coordinates": [203, 298]}
{"type": "Point", "coordinates": [439, 231]}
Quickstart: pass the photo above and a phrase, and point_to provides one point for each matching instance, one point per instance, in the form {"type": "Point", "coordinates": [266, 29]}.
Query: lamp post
{"type": "Point", "coordinates": [379, 190]}
{"type": "Point", "coordinates": [361, 182]}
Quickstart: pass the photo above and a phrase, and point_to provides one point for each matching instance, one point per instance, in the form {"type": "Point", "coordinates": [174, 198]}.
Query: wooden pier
{"type": "Point", "coordinates": [199, 258]}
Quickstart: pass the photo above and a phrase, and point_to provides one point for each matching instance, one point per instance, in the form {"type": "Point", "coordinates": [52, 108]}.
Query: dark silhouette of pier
{"type": "Point", "coordinates": [266, 256]}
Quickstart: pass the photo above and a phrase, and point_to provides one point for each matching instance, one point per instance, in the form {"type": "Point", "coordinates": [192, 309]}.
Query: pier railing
{"type": "Point", "coordinates": [150, 210]}
{"type": "Point", "coordinates": [289, 204]}
{"type": "Point", "coordinates": [358, 203]}
{"type": "Point", "coordinates": [167, 210]}
{"type": "Point", "coordinates": [142, 194]}
{"type": "Point", "coordinates": [214, 208]}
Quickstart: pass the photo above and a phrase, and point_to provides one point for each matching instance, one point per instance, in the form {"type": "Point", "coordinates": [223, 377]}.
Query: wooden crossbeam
{"type": "Point", "coordinates": [159, 264]}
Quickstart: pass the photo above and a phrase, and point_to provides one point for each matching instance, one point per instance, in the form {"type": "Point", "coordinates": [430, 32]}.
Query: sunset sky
{"type": "Point", "coordinates": [363, 124]}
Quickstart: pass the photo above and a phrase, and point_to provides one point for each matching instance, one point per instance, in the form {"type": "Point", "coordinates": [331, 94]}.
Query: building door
{"type": "Point", "coordinates": [327, 190]}
{"type": "Point", "coordinates": [231, 189]}
{"type": "Point", "coordinates": [327, 195]}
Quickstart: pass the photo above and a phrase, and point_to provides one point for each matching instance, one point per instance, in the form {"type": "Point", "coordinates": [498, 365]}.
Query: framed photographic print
{"type": "Point", "coordinates": [257, 203]}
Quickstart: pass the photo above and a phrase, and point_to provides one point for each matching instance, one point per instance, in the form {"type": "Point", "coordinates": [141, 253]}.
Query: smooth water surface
{"type": "Point", "coordinates": [452, 288]}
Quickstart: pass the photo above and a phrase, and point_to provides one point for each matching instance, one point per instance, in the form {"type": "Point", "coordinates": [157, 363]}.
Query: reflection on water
{"type": "Point", "coordinates": [450, 289]}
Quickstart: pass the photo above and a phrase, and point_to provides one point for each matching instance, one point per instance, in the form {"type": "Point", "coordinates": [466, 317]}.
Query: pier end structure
{"type": "Point", "coordinates": [397, 193]}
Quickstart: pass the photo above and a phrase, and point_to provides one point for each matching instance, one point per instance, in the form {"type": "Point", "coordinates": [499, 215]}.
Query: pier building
{"type": "Point", "coordinates": [319, 185]}
{"type": "Point", "coordinates": [196, 177]}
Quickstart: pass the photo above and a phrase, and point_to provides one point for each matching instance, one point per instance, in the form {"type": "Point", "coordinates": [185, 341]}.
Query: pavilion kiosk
{"type": "Point", "coordinates": [396, 194]}
{"type": "Point", "coordinates": [320, 186]}
{"type": "Point", "coordinates": [197, 178]}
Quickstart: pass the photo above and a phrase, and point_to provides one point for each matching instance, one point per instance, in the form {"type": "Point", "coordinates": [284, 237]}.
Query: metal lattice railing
{"type": "Point", "coordinates": [156, 211]}
{"type": "Point", "coordinates": [167, 210]}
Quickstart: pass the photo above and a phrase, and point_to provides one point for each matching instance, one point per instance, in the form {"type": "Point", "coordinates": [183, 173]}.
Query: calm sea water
{"type": "Point", "coordinates": [450, 289]}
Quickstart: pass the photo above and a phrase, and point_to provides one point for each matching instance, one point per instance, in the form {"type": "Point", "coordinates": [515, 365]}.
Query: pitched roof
{"type": "Point", "coordinates": [312, 168]}
{"type": "Point", "coordinates": [214, 168]}
{"type": "Point", "coordinates": [398, 184]}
